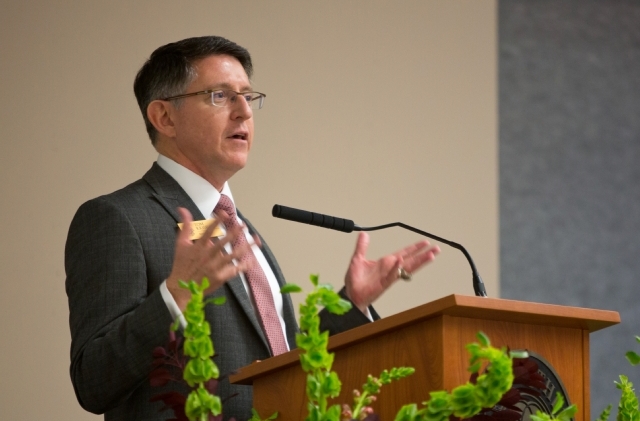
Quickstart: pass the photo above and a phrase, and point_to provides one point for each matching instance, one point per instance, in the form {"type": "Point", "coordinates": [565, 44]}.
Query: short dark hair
{"type": "Point", "coordinates": [172, 67]}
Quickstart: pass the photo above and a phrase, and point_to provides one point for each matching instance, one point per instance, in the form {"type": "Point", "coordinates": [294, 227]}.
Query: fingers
{"type": "Point", "coordinates": [257, 241]}
{"type": "Point", "coordinates": [222, 215]}
{"type": "Point", "coordinates": [392, 273]}
{"type": "Point", "coordinates": [186, 218]}
{"type": "Point", "coordinates": [362, 244]}
{"type": "Point", "coordinates": [221, 267]}
{"type": "Point", "coordinates": [412, 249]}
{"type": "Point", "coordinates": [420, 257]}
{"type": "Point", "coordinates": [206, 236]}
{"type": "Point", "coordinates": [415, 256]}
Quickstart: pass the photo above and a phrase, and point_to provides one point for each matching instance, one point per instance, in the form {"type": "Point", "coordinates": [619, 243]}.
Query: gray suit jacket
{"type": "Point", "coordinates": [119, 250]}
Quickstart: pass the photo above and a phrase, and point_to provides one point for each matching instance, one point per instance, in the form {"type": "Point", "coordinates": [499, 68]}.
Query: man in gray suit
{"type": "Point", "coordinates": [125, 255]}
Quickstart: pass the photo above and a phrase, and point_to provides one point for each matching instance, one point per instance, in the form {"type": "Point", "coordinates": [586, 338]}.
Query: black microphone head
{"type": "Point", "coordinates": [275, 211]}
{"type": "Point", "coordinates": [311, 218]}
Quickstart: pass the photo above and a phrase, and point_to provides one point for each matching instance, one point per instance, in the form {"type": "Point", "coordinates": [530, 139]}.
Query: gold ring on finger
{"type": "Point", "coordinates": [403, 274]}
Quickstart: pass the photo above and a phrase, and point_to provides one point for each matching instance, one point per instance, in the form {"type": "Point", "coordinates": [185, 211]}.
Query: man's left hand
{"type": "Point", "coordinates": [366, 279]}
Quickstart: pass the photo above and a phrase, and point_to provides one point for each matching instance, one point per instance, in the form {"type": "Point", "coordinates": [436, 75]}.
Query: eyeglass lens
{"type": "Point", "coordinates": [220, 98]}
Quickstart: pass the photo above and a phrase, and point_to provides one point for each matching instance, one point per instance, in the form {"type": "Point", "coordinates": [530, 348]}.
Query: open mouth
{"type": "Point", "coordinates": [240, 136]}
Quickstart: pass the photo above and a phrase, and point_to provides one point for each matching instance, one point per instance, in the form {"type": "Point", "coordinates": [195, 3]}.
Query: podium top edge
{"type": "Point", "coordinates": [454, 305]}
{"type": "Point", "coordinates": [537, 313]}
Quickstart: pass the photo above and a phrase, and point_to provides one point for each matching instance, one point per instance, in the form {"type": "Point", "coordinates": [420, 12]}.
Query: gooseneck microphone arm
{"type": "Point", "coordinates": [347, 225]}
{"type": "Point", "coordinates": [478, 285]}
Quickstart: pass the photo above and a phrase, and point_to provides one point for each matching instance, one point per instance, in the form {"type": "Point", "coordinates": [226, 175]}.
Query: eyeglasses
{"type": "Point", "coordinates": [223, 97]}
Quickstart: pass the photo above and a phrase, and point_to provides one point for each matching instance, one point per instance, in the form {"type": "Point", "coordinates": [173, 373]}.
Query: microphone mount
{"type": "Point", "coordinates": [347, 225]}
{"type": "Point", "coordinates": [478, 285]}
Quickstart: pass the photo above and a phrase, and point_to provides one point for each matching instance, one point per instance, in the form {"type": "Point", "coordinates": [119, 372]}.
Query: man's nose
{"type": "Point", "coordinates": [241, 108]}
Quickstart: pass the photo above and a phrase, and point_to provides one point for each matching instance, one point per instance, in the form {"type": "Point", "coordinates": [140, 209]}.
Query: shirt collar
{"type": "Point", "coordinates": [203, 194]}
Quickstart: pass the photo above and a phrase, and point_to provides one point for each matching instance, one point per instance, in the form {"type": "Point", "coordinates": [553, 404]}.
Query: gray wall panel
{"type": "Point", "coordinates": [570, 166]}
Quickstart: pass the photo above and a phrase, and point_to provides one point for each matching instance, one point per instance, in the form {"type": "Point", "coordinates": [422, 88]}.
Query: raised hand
{"type": "Point", "coordinates": [366, 279]}
{"type": "Point", "coordinates": [194, 260]}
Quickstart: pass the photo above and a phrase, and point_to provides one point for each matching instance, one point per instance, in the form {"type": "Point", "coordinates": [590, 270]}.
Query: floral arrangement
{"type": "Point", "coordinates": [470, 399]}
{"type": "Point", "coordinates": [463, 402]}
{"type": "Point", "coordinates": [628, 406]}
{"type": "Point", "coordinates": [628, 409]}
{"type": "Point", "coordinates": [322, 383]}
{"type": "Point", "coordinates": [199, 370]}
{"type": "Point", "coordinates": [192, 362]}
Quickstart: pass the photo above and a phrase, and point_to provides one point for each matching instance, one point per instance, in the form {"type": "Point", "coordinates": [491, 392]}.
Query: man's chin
{"type": "Point", "coordinates": [236, 164]}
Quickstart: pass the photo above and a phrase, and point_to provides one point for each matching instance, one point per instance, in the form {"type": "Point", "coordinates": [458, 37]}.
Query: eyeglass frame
{"type": "Point", "coordinates": [261, 96]}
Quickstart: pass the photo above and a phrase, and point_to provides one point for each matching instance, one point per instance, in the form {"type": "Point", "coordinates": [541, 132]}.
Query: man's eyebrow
{"type": "Point", "coordinates": [246, 88]}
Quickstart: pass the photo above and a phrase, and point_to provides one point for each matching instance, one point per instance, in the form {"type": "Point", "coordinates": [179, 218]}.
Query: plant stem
{"type": "Point", "coordinates": [360, 405]}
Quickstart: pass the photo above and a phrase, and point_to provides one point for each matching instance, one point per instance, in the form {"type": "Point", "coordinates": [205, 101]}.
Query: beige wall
{"type": "Point", "coordinates": [378, 111]}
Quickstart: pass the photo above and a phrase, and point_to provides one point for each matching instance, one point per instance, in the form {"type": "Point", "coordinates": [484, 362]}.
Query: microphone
{"type": "Point", "coordinates": [347, 225]}
{"type": "Point", "coordinates": [311, 218]}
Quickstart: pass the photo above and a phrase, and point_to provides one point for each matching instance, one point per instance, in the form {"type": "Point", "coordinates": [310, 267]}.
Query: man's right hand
{"type": "Point", "coordinates": [194, 260]}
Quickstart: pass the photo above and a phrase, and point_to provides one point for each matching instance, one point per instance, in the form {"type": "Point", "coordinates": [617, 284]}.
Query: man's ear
{"type": "Point", "coordinates": [160, 115]}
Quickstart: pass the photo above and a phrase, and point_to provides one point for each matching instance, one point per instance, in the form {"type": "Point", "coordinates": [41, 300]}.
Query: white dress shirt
{"type": "Point", "coordinates": [206, 197]}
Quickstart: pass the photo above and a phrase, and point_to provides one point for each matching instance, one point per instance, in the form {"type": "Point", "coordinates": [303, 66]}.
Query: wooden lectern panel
{"type": "Point", "coordinates": [431, 338]}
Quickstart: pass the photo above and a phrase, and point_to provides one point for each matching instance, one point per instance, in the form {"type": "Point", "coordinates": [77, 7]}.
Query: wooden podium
{"type": "Point", "coordinates": [431, 338]}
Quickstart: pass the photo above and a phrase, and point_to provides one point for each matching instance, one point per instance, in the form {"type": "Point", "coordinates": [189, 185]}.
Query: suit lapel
{"type": "Point", "coordinates": [170, 195]}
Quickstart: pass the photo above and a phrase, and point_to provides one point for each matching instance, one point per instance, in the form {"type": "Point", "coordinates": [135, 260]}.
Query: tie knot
{"type": "Point", "coordinates": [226, 205]}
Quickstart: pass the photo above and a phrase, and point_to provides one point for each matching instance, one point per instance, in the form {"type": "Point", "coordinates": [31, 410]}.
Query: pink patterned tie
{"type": "Point", "coordinates": [262, 295]}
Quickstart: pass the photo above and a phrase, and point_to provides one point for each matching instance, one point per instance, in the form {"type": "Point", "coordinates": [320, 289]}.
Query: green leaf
{"type": "Point", "coordinates": [339, 308]}
{"type": "Point", "coordinates": [558, 403]}
{"type": "Point", "coordinates": [407, 413]}
{"type": "Point", "coordinates": [637, 338]}
{"type": "Point", "coordinates": [541, 416]}
{"type": "Point", "coordinates": [396, 373]}
{"type": "Point", "coordinates": [519, 354]}
{"type": "Point", "coordinates": [314, 388]}
{"type": "Point", "coordinates": [331, 385]}
{"type": "Point", "coordinates": [289, 288]}
{"type": "Point", "coordinates": [332, 414]}
{"type": "Point", "coordinates": [474, 368]}
{"type": "Point", "coordinates": [567, 413]}
{"type": "Point", "coordinates": [218, 301]}
{"type": "Point", "coordinates": [176, 324]}
{"type": "Point", "coordinates": [604, 416]}
{"type": "Point", "coordinates": [464, 402]}
{"type": "Point", "coordinates": [633, 358]}
{"type": "Point", "coordinates": [314, 413]}
{"type": "Point", "coordinates": [314, 279]}
{"type": "Point", "coordinates": [254, 415]}
{"type": "Point", "coordinates": [483, 339]}
{"type": "Point", "coordinates": [324, 287]}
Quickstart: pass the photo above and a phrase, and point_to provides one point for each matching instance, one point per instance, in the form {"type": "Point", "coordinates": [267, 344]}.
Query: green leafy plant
{"type": "Point", "coordinates": [192, 358]}
{"type": "Point", "coordinates": [362, 400]}
{"type": "Point", "coordinates": [469, 399]}
{"type": "Point", "coordinates": [557, 413]}
{"type": "Point", "coordinates": [632, 357]}
{"type": "Point", "coordinates": [256, 417]}
{"type": "Point", "coordinates": [604, 416]}
{"type": "Point", "coordinates": [322, 383]}
{"type": "Point", "coordinates": [199, 348]}
{"type": "Point", "coordinates": [200, 372]}
{"type": "Point", "coordinates": [526, 381]}
{"type": "Point", "coordinates": [628, 405]}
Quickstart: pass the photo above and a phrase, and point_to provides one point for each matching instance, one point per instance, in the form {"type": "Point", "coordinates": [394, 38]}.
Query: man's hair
{"type": "Point", "coordinates": [172, 67]}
